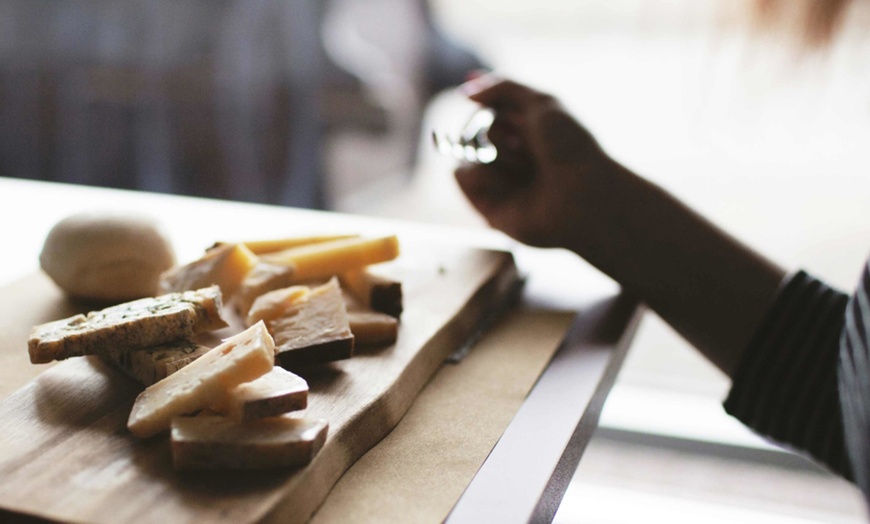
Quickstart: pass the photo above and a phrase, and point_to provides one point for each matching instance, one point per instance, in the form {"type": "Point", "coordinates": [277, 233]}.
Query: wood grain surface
{"type": "Point", "coordinates": [65, 453]}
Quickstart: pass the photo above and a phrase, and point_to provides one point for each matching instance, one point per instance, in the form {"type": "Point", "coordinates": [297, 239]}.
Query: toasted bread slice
{"type": "Point", "coordinates": [133, 325]}
{"type": "Point", "coordinates": [150, 365]}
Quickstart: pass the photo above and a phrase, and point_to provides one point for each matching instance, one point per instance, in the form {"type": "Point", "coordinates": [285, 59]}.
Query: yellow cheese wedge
{"type": "Point", "coordinates": [204, 381]}
{"type": "Point", "coordinates": [310, 326]}
{"type": "Point", "coordinates": [150, 365]}
{"type": "Point", "coordinates": [319, 261]}
{"type": "Point", "coordinates": [373, 328]}
{"type": "Point", "coordinates": [214, 442]}
{"type": "Point", "coordinates": [275, 393]}
{"type": "Point", "coordinates": [261, 247]}
{"type": "Point", "coordinates": [225, 266]}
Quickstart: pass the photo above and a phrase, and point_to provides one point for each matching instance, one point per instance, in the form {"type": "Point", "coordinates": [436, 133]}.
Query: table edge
{"type": "Point", "coordinates": [511, 487]}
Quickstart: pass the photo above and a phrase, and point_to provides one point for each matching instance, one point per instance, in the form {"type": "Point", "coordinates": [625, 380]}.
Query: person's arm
{"type": "Point", "coordinates": [553, 186]}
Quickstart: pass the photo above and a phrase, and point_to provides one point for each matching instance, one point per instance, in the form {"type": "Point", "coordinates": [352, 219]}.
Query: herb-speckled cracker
{"type": "Point", "coordinates": [132, 325]}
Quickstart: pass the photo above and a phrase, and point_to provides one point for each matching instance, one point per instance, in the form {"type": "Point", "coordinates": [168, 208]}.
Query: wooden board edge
{"type": "Point", "coordinates": [502, 284]}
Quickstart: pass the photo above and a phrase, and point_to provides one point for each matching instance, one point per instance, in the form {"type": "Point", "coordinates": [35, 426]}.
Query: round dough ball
{"type": "Point", "coordinates": [106, 257]}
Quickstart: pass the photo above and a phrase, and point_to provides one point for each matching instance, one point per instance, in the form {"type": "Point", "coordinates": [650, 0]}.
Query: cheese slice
{"type": "Point", "coordinates": [214, 442]}
{"type": "Point", "coordinates": [261, 247]}
{"type": "Point", "coordinates": [261, 279]}
{"type": "Point", "coordinates": [150, 365]}
{"type": "Point", "coordinates": [373, 328]}
{"type": "Point", "coordinates": [275, 393]}
{"type": "Point", "coordinates": [138, 324]}
{"type": "Point", "coordinates": [276, 303]}
{"type": "Point", "coordinates": [377, 292]}
{"type": "Point", "coordinates": [224, 266]}
{"type": "Point", "coordinates": [204, 381]}
{"type": "Point", "coordinates": [323, 260]}
{"type": "Point", "coordinates": [310, 326]}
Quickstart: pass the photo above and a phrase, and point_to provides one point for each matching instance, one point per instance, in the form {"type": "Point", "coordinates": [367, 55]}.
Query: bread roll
{"type": "Point", "coordinates": [106, 257]}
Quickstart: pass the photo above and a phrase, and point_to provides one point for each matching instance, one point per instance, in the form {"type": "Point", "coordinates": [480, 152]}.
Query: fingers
{"type": "Point", "coordinates": [493, 188]}
{"type": "Point", "coordinates": [482, 184]}
{"type": "Point", "coordinates": [520, 112]}
{"type": "Point", "coordinates": [506, 134]}
{"type": "Point", "coordinates": [479, 188]}
{"type": "Point", "coordinates": [500, 94]}
{"type": "Point", "coordinates": [487, 186]}
{"type": "Point", "coordinates": [502, 201]}
{"type": "Point", "coordinates": [544, 163]}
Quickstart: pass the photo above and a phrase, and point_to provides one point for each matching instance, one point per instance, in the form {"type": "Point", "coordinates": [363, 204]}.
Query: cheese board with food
{"type": "Point", "coordinates": [162, 410]}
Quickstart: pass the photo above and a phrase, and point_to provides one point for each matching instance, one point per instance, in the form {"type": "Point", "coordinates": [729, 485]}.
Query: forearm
{"type": "Point", "coordinates": [711, 288]}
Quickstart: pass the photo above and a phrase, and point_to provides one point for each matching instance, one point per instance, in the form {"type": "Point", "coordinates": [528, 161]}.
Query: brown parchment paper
{"type": "Point", "coordinates": [419, 471]}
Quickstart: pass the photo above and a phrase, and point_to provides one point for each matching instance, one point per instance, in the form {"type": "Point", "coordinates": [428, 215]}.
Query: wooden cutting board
{"type": "Point", "coordinates": [65, 453]}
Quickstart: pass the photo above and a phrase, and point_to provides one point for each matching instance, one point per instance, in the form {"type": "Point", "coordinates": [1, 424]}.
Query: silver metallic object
{"type": "Point", "coordinates": [472, 144]}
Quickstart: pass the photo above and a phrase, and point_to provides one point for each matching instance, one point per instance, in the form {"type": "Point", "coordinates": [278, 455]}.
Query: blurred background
{"type": "Point", "coordinates": [329, 104]}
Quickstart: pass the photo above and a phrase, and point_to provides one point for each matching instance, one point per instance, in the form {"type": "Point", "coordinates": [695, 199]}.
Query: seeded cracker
{"type": "Point", "coordinates": [132, 325]}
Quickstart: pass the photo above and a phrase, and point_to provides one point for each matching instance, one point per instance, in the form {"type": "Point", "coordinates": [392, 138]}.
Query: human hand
{"type": "Point", "coordinates": [549, 174]}
{"type": "Point", "coordinates": [553, 186]}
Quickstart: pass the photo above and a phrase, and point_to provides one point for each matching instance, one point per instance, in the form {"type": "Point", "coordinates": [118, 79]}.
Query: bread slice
{"type": "Point", "coordinates": [215, 442]}
{"type": "Point", "coordinates": [203, 382]}
{"type": "Point", "coordinates": [153, 364]}
{"type": "Point", "coordinates": [133, 325]}
{"type": "Point", "coordinates": [310, 326]}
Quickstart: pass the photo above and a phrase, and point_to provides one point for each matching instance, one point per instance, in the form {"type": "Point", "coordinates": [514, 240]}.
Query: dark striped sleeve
{"type": "Point", "coordinates": [855, 381]}
{"type": "Point", "coordinates": [785, 387]}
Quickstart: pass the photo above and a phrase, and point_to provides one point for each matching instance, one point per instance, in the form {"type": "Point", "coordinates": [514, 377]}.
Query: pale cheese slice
{"type": "Point", "coordinates": [323, 260]}
{"type": "Point", "coordinates": [150, 365]}
{"type": "Point", "coordinates": [204, 381]}
{"type": "Point", "coordinates": [376, 291]}
{"type": "Point", "coordinates": [309, 326]}
{"type": "Point", "coordinates": [214, 442]}
{"type": "Point", "coordinates": [261, 279]}
{"type": "Point", "coordinates": [373, 328]}
{"type": "Point", "coordinates": [276, 303]}
{"type": "Point", "coordinates": [138, 324]}
{"type": "Point", "coordinates": [275, 393]}
{"type": "Point", "coordinates": [224, 266]}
